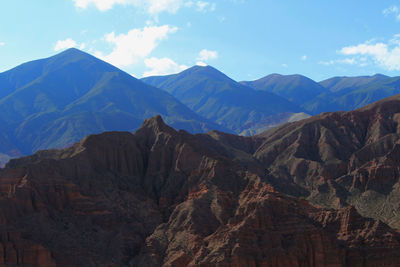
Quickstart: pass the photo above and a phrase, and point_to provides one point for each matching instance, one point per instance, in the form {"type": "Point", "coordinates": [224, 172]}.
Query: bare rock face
{"type": "Point", "coordinates": [268, 229]}
{"type": "Point", "coordinates": [340, 159]}
{"type": "Point", "coordinates": [159, 197]}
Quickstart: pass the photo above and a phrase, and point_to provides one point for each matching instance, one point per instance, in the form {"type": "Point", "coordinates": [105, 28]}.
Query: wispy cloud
{"type": "Point", "coordinates": [2, 43]}
{"type": "Point", "coordinates": [304, 57]}
{"type": "Point", "coordinates": [162, 66]}
{"type": "Point", "coordinates": [67, 43]}
{"type": "Point", "coordinates": [392, 10]}
{"type": "Point", "coordinates": [205, 55]}
{"type": "Point", "coordinates": [383, 54]}
{"type": "Point", "coordinates": [386, 55]}
{"type": "Point", "coordinates": [153, 7]}
{"type": "Point", "coordinates": [204, 6]}
{"type": "Point", "coordinates": [349, 61]}
{"type": "Point", "coordinates": [202, 64]}
{"type": "Point", "coordinates": [135, 45]}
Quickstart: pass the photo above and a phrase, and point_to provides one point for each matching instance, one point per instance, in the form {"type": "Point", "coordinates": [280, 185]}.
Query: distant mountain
{"type": "Point", "coordinates": [296, 88]}
{"type": "Point", "coordinates": [334, 94]}
{"type": "Point", "coordinates": [217, 97]}
{"type": "Point", "coordinates": [336, 84]}
{"type": "Point", "coordinates": [56, 101]}
{"type": "Point", "coordinates": [350, 93]}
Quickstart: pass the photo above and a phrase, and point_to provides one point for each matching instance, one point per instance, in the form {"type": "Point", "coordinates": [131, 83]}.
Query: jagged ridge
{"type": "Point", "coordinates": [159, 197]}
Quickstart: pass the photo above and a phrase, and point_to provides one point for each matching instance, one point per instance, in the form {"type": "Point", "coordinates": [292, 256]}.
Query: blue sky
{"type": "Point", "coordinates": [246, 39]}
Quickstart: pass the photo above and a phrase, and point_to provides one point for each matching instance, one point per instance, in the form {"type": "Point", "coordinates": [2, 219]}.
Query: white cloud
{"type": "Point", "coordinates": [304, 58]}
{"type": "Point", "coordinates": [205, 55]}
{"type": "Point", "coordinates": [151, 6]}
{"type": "Point", "coordinates": [135, 45]}
{"type": "Point", "coordinates": [350, 61]}
{"type": "Point", "coordinates": [284, 65]}
{"type": "Point", "coordinates": [395, 40]}
{"type": "Point", "coordinates": [158, 6]}
{"type": "Point", "coordinates": [204, 6]}
{"type": "Point", "coordinates": [65, 44]}
{"type": "Point", "coordinates": [385, 55]}
{"type": "Point", "coordinates": [392, 10]}
{"type": "Point", "coordinates": [68, 43]}
{"type": "Point", "coordinates": [2, 43]}
{"type": "Point", "coordinates": [201, 63]}
{"type": "Point", "coordinates": [102, 5]}
{"type": "Point", "coordinates": [162, 66]}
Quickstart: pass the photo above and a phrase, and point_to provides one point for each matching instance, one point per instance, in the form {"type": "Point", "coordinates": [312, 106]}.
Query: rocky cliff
{"type": "Point", "coordinates": [340, 159]}
{"type": "Point", "coordinates": [159, 197]}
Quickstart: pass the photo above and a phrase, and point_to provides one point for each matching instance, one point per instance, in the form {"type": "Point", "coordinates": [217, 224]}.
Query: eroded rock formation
{"type": "Point", "coordinates": [160, 197]}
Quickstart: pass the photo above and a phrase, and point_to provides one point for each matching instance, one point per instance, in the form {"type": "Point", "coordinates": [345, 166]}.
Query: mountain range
{"type": "Point", "coordinates": [353, 92]}
{"type": "Point", "coordinates": [56, 101]}
{"type": "Point", "coordinates": [215, 96]}
{"type": "Point", "coordinates": [189, 188]}
{"type": "Point", "coordinates": [296, 88]}
{"type": "Point", "coordinates": [317, 192]}
{"type": "Point", "coordinates": [333, 94]}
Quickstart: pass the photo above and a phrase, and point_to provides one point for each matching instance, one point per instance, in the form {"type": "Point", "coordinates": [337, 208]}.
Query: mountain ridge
{"type": "Point", "coordinates": [73, 94]}
{"type": "Point", "coordinates": [295, 87]}
{"type": "Point", "coordinates": [164, 197]}
{"type": "Point", "coordinates": [215, 96]}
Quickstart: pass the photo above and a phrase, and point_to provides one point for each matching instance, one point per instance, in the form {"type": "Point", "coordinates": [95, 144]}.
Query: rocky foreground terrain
{"type": "Point", "coordinates": [318, 192]}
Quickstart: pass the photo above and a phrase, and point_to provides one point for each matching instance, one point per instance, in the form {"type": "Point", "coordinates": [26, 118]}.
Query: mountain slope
{"type": "Point", "coordinates": [296, 88]}
{"type": "Point", "coordinates": [56, 101]}
{"type": "Point", "coordinates": [340, 159]}
{"type": "Point", "coordinates": [159, 197]}
{"type": "Point", "coordinates": [334, 94]}
{"type": "Point", "coordinates": [336, 84]}
{"type": "Point", "coordinates": [215, 96]}
{"type": "Point", "coordinates": [353, 92]}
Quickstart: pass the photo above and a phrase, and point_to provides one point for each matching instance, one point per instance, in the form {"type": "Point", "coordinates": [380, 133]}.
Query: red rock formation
{"type": "Point", "coordinates": [342, 158]}
{"type": "Point", "coordinates": [159, 197]}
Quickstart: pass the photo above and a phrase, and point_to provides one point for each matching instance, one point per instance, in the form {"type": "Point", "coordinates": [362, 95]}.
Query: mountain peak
{"type": "Point", "coordinates": [379, 75]}
{"type": "Point", "coordinates": [201, 68]}
{"type": "Point", "coordinates": [157, 124]}
{"type": "Point", "coordinates": [73, 53]}
{"type": "Point", "coordinates": [206, 71]}
{"type": "Point", "coordinates": [156, 120]}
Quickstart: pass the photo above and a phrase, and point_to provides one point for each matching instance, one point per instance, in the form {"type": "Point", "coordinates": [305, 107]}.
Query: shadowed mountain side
{"type": "Point", "coordinates": [296, 88]}
{"type": "Point", "coordinates": [349, 93]}
{"type": "Point", "coordinates": [159, 197]}
{"type": "Point", "coordinates": [342, 158]}
{"type": "Point", "coordinates": [334, 94]}
{"type": "Point", "coordinates": [56, 101]}
{"type": "Point", "coordinates": [336, 84]}
{"type": "Point", "coordinates": [215, 96]}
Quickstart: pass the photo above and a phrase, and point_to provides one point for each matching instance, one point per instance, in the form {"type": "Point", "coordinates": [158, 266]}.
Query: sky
{"type": "Point", "coordinates": [245, 39]}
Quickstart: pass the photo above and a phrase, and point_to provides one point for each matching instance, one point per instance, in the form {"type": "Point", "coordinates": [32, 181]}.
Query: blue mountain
{"type": "Point", "coordinates": [56, 101]}
{"type": "Point", "coordinates": [215, 96]}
